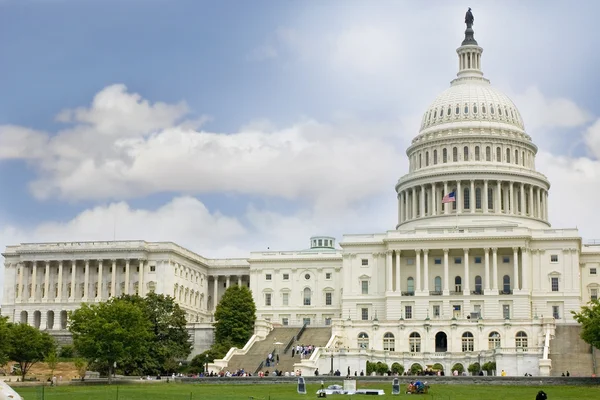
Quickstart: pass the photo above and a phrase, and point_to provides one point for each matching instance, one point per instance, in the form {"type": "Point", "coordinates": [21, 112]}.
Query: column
{"type": "Point", "coordinates": [466, 286]}
{"type": "Point", "coordinates": [498, 205]}
{"type": "Point", "coordinates": [472, 196]}
{"type": "Point", "coordinates": [60, 281]}
{"type": "Point", "coordinates": [406, 210]}
{"type": "Point", "coordinates": [228, 280]}
{"type": "Point", "coordinates": [100, 277]}
{"type": "Point", "coordinates": [127, 276]}
{"type": "Point", "coordinates": [73, 280]}
{"type": "Point", "coordinates": [216, 291]}
{"type": "Point", "coordinates": [414, 203]}
{"type": "Point", "coordinates": [515, 268]}
{"type": "Point", "coordinates": [21, 269]}
{"type": "Point", "coordinates": [446, 205]}
{"type": "Point", "coordinates": [422, 201]}
{"type": "Point", "coordinates": [526, 271]}
{"type": "Point", "coordinates": [400, 209]}
{"type": "Point", "coordinates": [495, 269]}
{"type": "Point", "coordinates": [538, 209]}
{"type": "Point", "coordinates": [398, 281]}
{"type": "Point", "coordinates": [511, 198]}
{"type": "Point", "coordinates": [113, 279]}
{"type": "Point", "coordinates": [86, 284]}
{"type": "Point", "coordinates": [459, 198]}
{"type": "Point", "coordinates": [418, 269]}
{"type": "Point", "coordinates": [33, 293]}
{"type": "Point", "coordinates": [239, 280]}
{"type": "Point", "coordinates": [522, 190]}
{"type": "Point", "coordinates": [388, 267]}
{"type": "Point", "coordinates": [433, 199]}
{"type": "Point", "coordinates": [46, 282]}
{"type": "Point", "coordinates": [142, 275]}
{"type": "Point", "coordinates": [487, 269]}
{"type": "Point", "coordinates": [446, 273]}
{"type": "Point", "coordinates": [485, 199]}
{"type": "Point", "coordinates": [426, 271]}
{"type": "Point", "coordinates": [531, 201]}
{"type": "Point", "coordinates": [546, 205]}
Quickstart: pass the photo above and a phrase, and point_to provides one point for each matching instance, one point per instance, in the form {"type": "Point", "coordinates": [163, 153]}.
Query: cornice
{"type": "Point", "coordinates": [456, 138]}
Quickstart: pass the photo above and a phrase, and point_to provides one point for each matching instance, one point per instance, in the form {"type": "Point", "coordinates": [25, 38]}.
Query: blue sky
{"type": "Point", "coordinates": [231, 126]}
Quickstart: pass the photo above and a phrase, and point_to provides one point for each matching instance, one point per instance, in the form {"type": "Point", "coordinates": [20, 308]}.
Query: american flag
{"type": "Point", "coordinates": [449, 198]}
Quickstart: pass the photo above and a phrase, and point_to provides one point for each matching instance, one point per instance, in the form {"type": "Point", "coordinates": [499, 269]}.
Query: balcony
{"type": "Point", "coordinates": [435, 292]}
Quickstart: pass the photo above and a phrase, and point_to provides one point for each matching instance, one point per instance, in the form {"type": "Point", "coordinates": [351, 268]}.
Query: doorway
{"type": "Point", "coordinates": [441, 342]}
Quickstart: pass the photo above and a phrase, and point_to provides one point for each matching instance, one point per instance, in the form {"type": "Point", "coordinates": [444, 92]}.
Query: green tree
{"type": "Point", "coordinates": [589, 318]}
{"type": "Point", "coordinates": [474, 368]}
{"type": "Point", "coordinates": [108, 332]}
{"type": "Point", "coordinates": [4, 341]}
{"type": "Point", "coordinates": [27, 346]}
{"type": "Point", "coordinates": [235, 316]}
{"type": "Point", "coordinates": [81, 366]}
{"type": "Point", "coordinates": [52, 361]}
{"type": "Point", "coordinates": [397, 368]}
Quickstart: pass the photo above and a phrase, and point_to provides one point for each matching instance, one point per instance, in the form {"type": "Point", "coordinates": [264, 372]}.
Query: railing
{"type": "Point", "coordinates": [456, 293]}
{"type": "Point", "coordinates": [477, 292]}
{"type": "Point", "coordinates": [408, 293]}
{"type": "Point", "coordinates": [294, 338]}
{"type": "Point", "coordinates": [435, 293]}
{"type": "Point", "coordinates": [260, 366]}
{"type": "Point", "coordinates": [506, 291]}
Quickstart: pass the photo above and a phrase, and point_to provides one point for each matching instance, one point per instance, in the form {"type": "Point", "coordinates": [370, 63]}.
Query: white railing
{"type": "Point", "coordinates": [546, 345]}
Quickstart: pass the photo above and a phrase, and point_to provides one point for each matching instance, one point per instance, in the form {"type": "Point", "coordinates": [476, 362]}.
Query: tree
{"type": "Point", "coordinates": [474, 368]}
{"type": "Point", "coordinates": [52, 361]}
{"type": "Point", "coordinates": [81, 367]}
{"type": "Point", "coordinates": [108, 332]}
{"type": "Point", "coordinates": [27, 346]}
{"type": "Point", "coordinates": [235, 315]}
{"type": "Point", "coordinates": [170, 337]}
{"type": "Point", "coordinates": [589, 318]}
{"type": "Point", "coordinates": [4, 341]}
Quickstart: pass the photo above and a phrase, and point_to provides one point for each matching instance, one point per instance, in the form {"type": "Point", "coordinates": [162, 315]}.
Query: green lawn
{"type": "Point", "coordinates": [172, 391]}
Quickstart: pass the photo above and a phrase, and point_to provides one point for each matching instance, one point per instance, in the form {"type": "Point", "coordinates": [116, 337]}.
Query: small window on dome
{"type": "Point", "coordinates": [492, 110]}
{"type": "Point", "coordinates": [444, 156]}
{"type": "Point", "coordinates": [434, 157]}
{"type": "Point", "coordinates": [449, 110]}
{"type": "Point", "coordinates": [476, 153]}
{"type": "Point", "coordinates": [457, 111]}
{"type": "Point", "coordinates": [427, 159]}
{"type": "Point", "coordinates": [429, 117]}
{"type": "Point", "coordinates": [506, 112]}
{"type": "Point", "coordinates": [455, 154]}
{"type": "Point", "coordinates": [435, 114]}
{"type": "Point", "coordinates": [474, 108]}
{"type": "Point", "coordinates": [499, 110]}
{"type": "Point", "coordinates": [511, 114]}
{"type": "Point", "coordinates": [483, 108]}
{"type": "Point", "coordinates": [466, 108]}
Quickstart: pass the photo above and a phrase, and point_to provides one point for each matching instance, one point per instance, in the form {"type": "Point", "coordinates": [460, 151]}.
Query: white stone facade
{"type": "Point", "coordinates": [482, 278]}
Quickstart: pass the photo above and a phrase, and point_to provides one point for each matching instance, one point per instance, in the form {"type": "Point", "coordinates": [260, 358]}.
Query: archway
{"type": "Point", "coordinates": [63, 320]}
{"type": "Point", "coordinates": [50, 320]}
{"type": "Point", "coordinates": [37, 319]}
{"type": "Point", "coordinates": [441, 342]}
{"type": "Point", "coordinates": [24, 316]}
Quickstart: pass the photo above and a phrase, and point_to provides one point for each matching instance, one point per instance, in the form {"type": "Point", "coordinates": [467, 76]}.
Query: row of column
{"type": "Point", "coordinates": [227, 284]}
{"type": "Point", "coordinates": [489, 281]}
{"type": "Point", "coordinates": [426, 199]}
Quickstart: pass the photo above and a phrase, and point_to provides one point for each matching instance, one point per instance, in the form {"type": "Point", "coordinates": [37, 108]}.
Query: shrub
{"type": "Point", "coordinates": [397, 368]}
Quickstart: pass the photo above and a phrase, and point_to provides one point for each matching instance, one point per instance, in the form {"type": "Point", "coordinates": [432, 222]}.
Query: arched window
{"type": "Point", "coordinates": [466, 198]}
{"type": "Point", "coordinates": [468, 342]}
{"type": "Point", "coordinates": [455, 154]}
{"type": "Point", "coordinates": [449, 111]}
{"type": "Point", "coordinates": [427, 159]}
{"type": "Point", "coordinates": [490, 199]}
{"type": "Point", "coordinates": [506, 284]}
{"type": "Point", "coordinates": [466, 153]}
{"type": "Point", "coordinates": [435, 114]}
{"type": "Point", "coordinates": [498, 154]}
{"type": "Point", "coordinates": [492, 109]}
{"type": "Point", "coordinates": [477, 153]}
{"type": "Point", "coordinates": [458, 284]}
{"type": "Point", "coordinates": [508, 155]}
{"type": "Point", "coordinates": [457, 111]}
{"type": "Point", "coordinates": [437, 284]}
{"type": "Point", "coordinates": [523, 158]}
{"type": "Point", "coordinates": [389, 342]}
{"type": "Point", "coordinates": [483, 108]}
{"type": "Point", "coordinates": [488, 153]}
{"type": "Point", "coordinates": [516, 156]}
{"type": "Point", "coordinates": [444, 156]}
{"type": "Point", "coordinates": [307, 296]}
{"type": "Point", "coordinates": [474, 108]}
{"type": "Point", "coordinates": [499, 110]}
{"type": "Point", "coordinates": [494, 340]}
{"type": "Point", "coordinates": [521, 339]}
{"type": "Point", "coordinates": [414, 342]}
{"type": "Point", "coordinates": [435, 157]}
{"type": "Point", "coordinates": [478, 285]}
{"type": "Point", "coordinates": [363, 340]}
{"type": "Point", "coordinates": [478, 198]}
{"type": "Point", "coordinates": [466, 108]}
{"type": "Point", "coordinates": [410, 284]}
{"type": "Point", "coordinates": [420, 163]}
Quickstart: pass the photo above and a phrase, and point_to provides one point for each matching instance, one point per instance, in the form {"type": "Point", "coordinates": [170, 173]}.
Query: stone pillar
{"type": "Point", "coordinates": [498, 205]}
{"type": "Point", "coordinates": [400, 209]}
{"type": "Point", "coordinates": [487, 268]}
{"type": "Point", "coordinates": [73, 280]}
{"type": "Point", "coordinates": [406, 210]}
{"type": "Point", "coordinates": [546, 205]}
{"type": "Point", "coordinates": [413, 203]}
{"type": "Point", "coordinates": [446, 205]}
{"type": "Point", "coordinates": [46, 282]}
{"type": "Point", "coordinates": [127, 276]}
{"type": "Point", "coordinates": [113, 278]}
{"type": "Point", "coordinates": [538, 209]}
{"type": "Point", "coordinates": [388, 267]}
{"type": "Point", "coordinates": [516, 268]}
{"type": "Point", "coordinates": [525, 269]}
{"type": "Point", "coordinates": [522, 191]}
{"type": "Point", "coordinates": [446, 273]}
{"type": "Point", "coordinates": [426, 271]}
{"type": "Point", "coordinates": [472, 202]}
{"type": "Point", "coordinates": [418, 270]}
{"type": "Point", "coordinates": [33, 293]}
{"type": "Point", "coordinates": [511, 198]}
{"type": "Point", "coordinates": [466, 286]}
{"type": "Point", "coordinates": [60, 282]}
{"type": "Point", "coordinates": [398, 281]}
{"type": "Point", "coordinates": [86, 284]}
{"type": "Point", "coordinates": [484, 198]}
{"type": "Point", "coordinates": [495, 269]}
{"type": "Point", "coordinates": [228, 281]}
{"type": "Point", "coordinates": [459, 198]}
{"type": "Point", "coordinates": [239, 280]}
{"type": "Point", "coordinates": [100, 278]}
{"type": "Point", "coordinates": [422, 202]}
{"type": "Point", "coordinates": [21, 269]}
{"type": "Point", "coordinates": [216, 291]}
{"type": "Point", "coordinates": [142, 275]}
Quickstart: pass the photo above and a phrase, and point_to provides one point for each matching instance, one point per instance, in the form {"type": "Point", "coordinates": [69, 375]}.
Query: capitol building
{"type": "Point", "coordinates": [472, 272]}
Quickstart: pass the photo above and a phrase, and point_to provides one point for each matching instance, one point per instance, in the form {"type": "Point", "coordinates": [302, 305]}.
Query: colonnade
{"type": "Point", "coordinates": [238, 279]}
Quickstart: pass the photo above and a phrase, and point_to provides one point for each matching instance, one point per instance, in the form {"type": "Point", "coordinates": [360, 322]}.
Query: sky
{"type": "Point", "coordinates": [237, 126]}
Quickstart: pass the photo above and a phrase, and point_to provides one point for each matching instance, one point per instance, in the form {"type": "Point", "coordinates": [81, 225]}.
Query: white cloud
{"type": "Point", "coordinates": [592, 139]}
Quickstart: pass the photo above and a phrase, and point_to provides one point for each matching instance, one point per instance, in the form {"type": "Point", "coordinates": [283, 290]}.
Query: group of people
{"type": "Point", "coordinates": [272, 360]}
{"type": "Point", "coordinates": [303, 350]}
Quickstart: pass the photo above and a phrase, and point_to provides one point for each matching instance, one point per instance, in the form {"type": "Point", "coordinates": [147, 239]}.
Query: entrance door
{"type": "Point", "coordinates": [441, 342]}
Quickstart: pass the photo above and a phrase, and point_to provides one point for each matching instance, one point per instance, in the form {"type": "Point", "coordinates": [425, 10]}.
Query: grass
{"type": "Point", "coordinates": [288, 391]}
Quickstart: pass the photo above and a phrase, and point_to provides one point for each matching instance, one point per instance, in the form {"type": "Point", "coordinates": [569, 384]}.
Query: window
{"type": "Point", "coordinates": [305, 321]}
{"type": "Point", "coordinates": [307, 296]}
{"type": "Point", "coordinates": [408, 312]}
{"type": "Point", "coordinates": [427, 159]}
{"type": "Point", "coordinates": [436, 311]}
{"type": "Point", "coordinates": [478, 198]}
{"type": "Point", "coordinates": [468, 342]}
{"type": "Point", "coordinates": [285, 321]}
{"type": "Point", "coordinates": [478, 285]}
{"type": "Point", "coordinates": [457, 110]}
{"type": "Point", "coordinates": [488, 153]}
{"type": "Point", "coordinates": [328, 275]}
{"type": "Point", "coordinates": [466, 199]}
{"type": "Point", "coordinates": [516, 156]}
{"type": "Point", "coordinates": [490, 202]}
{"type": "Point", "coordinates": [458, 284]}
{"type": "Point", "coordinates": [286, 277]}
{"type": "Point", "coordinates": [437, 283]}
{"type": "Point", "coordinates": [327, 321]}
{"type": "Point", "coordinates": [555, 312]}
{"type": "Point", "coordinates": [477, 260]}
{"type": "Point", "coordinates": [466, 105]}
{"type": "Point", "coordinates": [457, 260]}
{"type": "Point", "coordinates": [435, 157]}
{"type": "Point", "coordinates": [444, 156]}
{"type": "Point", "coordinates": [492, 109]}
{"type": "Point", "coordinates": [364, 287]}
{"type": "Point", "coordinates": [267, 299]}
{"type": "Point", "coordinates": [554, 284]}
{"type": "Point", "coordinates": [594, 294]}
{"type": "Point", "coordinates": [285, 299]}
{"type": "Point", "coordinates": [494, 341]}
{"type": "Point", "coordinates": [508, 155]}
{"type": "Point", "coordinates": [320, 242]}
{"type": "Point", "coordinates": [505, 259]}
{"type": "Point", "coordinates": [455, 154]}
{"type": "Point", "coordinates": [466, 153]}
{"type": "Point", "coordinates": [521, 339]}
{"type": "Point", "coordinates": [364, 261]}
{"type": "Point", "coordinates": [506, 284]}
{"type": "Point", "coordinates": [593, 271]}
{"type": "Point", "coordinates": [506, 311]}
{"type": "Point", "coordinates": [449, 111]}
{"type": "Point", "coordinates": [437, 261]}
{"type": "Point", "coordinates": [414, 342]}
{"type": "Point", "coordinates": [307, 276]}
{"type": "Point", "coordinates": [498, 154]}
{"type": "Point", "coordinates": [389, 342]}
{"type": "Point", "coordinates": [410, 285]}
{"type": "Point", "coordinates": [363, 340]}
{"type": "Point", "coordinates": [153, 268]}
{"type": "Point", "coordinates": [420, 164]}
{"type": "Point", "coordinates": [268, 277]}
{"type": "Point", "coordinates": [483, 108]}
{"type": "Point", "coordinates": [474, 108]}
{"type": "Point", "coordinates": [328, 298]}
{"type": "Point", "coordinates": [554, 258]}
{"type": "Point", "coordinates": [364, 314]}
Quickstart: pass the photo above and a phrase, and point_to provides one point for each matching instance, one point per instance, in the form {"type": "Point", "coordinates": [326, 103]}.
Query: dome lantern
{"type": "Point", "coordinates": [469, 53]}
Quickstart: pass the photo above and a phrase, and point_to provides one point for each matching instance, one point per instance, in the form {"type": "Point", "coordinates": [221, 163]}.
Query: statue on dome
{"type": "Point", "coordinates": [469, 19]}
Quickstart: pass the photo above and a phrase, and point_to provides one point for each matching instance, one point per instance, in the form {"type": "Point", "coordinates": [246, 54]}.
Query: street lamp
{"type": "Point", "coordinates": [331, 373]}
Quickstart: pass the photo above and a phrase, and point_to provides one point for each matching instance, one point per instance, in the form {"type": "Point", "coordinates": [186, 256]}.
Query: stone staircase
{"type": "Point", "coordinates": [260, 350]}
{"type": "Point", "coordinates": [569, 352]}
{"type": "Point", "coordinates": [318, 337]}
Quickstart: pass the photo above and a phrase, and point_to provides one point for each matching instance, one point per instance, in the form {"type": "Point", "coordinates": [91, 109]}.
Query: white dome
{"type": "Point", "coordinates": [472, 100]}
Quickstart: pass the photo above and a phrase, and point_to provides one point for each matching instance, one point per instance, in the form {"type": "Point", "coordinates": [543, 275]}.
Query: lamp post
{"type": "Point", "coordinates": [331, 372]}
